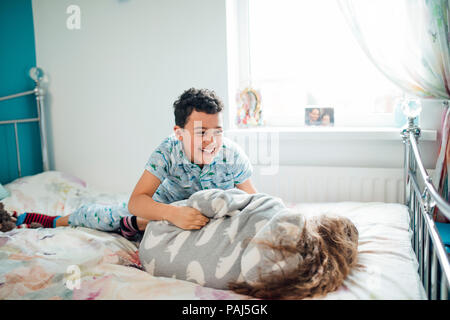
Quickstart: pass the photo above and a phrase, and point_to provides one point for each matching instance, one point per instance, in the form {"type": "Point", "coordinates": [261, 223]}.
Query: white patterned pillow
{"type": "Point", "coordinates": [54, 193]}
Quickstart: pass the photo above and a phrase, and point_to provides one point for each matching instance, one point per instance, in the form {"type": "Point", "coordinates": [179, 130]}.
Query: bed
{"type": "Point", "coordinates": [45, 263]}
{"type": "Point", "coordinates": [400, 256]}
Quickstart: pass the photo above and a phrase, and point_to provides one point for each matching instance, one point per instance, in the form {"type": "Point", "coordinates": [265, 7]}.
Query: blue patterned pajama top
{"type": "Point", "coordinates": [180, 178]}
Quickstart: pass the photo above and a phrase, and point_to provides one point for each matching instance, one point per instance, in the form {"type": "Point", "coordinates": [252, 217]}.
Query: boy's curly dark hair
{"type": "Point", "coordinates": [202, 100]}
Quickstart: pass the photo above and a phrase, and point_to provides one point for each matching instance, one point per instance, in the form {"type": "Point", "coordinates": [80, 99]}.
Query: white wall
{"type": "Point", "coordinates": [113, 82]}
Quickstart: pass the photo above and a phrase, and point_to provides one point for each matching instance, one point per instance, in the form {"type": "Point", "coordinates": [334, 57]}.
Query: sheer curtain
{"type": "Point", "coordinates": [408, 41]}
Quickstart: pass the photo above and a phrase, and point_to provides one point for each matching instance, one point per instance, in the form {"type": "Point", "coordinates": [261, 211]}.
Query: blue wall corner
{"type": "Point", "coordinates": [17, 56]}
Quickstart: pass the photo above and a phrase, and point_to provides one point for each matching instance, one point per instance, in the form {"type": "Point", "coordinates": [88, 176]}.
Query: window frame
{"type": "Point", "coordinates": [238, 77]}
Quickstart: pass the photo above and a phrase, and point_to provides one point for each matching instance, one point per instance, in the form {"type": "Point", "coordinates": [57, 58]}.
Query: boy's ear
{"type": "Point", "coordinates": [178, 132]}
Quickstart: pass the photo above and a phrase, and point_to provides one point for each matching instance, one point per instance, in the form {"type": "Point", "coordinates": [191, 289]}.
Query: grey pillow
{"type": "Point", "coordinates": [227, 248]}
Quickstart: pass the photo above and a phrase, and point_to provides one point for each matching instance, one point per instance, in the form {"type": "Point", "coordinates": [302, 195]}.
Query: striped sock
{"type": "Point", "coordinates": [28, 217]}
{"type": "Point", "coordinates": [128, 227]}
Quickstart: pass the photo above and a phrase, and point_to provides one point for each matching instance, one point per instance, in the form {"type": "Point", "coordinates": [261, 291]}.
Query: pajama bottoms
{"type": "Point", "coordinates": [99, 217]}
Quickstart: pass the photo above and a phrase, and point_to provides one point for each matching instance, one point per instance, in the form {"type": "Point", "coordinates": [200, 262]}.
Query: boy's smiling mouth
{"type": "Point", "coordinates": [209, 150]}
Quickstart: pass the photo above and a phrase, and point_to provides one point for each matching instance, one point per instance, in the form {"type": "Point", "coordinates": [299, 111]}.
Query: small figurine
{"type": "Point", "coordinates": [249, 111]}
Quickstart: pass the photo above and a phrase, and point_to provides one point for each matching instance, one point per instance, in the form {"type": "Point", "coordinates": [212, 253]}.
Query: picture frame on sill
{"type": "Point", "coordinates": [316, 116]}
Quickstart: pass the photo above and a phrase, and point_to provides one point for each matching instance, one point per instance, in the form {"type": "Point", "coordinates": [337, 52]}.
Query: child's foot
{"type": "Point", "coordinates": [31, 219]}
{"type": "Point", "coordinates": [129, 227]}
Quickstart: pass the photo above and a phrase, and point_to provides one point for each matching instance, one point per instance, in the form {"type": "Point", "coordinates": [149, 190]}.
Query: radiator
{"type": "Point", "coordinates": [331, 184]}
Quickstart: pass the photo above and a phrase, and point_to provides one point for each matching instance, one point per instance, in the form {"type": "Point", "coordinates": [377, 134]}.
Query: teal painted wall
{"type": "Point", "coordinates": [17, 56]}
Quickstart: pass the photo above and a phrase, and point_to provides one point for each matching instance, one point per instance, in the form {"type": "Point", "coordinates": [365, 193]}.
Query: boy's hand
{"type": "Point", "coordinates": [188, 218]}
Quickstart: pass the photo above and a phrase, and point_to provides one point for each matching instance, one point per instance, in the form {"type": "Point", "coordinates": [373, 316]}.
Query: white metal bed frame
{"type": "Point", "coordinates": [38, 76]}
{"type": "Point", "coordinates": [421, 198]}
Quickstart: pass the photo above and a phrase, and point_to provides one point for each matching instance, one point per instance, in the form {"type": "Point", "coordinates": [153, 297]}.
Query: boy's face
{"type": "Point", "coordinates": [201, 136]}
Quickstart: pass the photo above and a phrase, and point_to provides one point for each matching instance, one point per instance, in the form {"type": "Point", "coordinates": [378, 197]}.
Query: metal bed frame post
{"type": "Point", "coordinates": [38, 76]}
{"type": "Point", "coordinates": [432, 258]}
{"type": "Point", "coordinates": [39, 92]}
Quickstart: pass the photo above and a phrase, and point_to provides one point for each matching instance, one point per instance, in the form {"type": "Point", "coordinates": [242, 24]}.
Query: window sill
{"type": "Point", "coordinates": [331, 133]}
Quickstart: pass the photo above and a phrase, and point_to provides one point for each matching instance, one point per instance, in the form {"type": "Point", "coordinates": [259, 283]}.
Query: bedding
{"type": "Point", "coordinates": [80, 263]}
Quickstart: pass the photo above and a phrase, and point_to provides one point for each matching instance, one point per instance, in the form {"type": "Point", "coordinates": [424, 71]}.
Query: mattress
{"type": "Point", "coordinates": [79, 263]}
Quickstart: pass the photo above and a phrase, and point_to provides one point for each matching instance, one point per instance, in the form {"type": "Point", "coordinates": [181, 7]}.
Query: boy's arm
{"type": "Point", "coordinates": [142, 205]}
{"type": "Point", "coordinates": [247, 186]}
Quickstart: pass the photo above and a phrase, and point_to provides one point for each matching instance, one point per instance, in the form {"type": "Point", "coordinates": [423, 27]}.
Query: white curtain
{"type": "Point", "coordinates": [407, 40]}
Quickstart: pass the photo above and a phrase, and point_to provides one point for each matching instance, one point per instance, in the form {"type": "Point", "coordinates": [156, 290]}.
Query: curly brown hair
{"type": "Point", "coordinates": [327, 250]}
{"type": "Point", "coordinates": [201, 100]}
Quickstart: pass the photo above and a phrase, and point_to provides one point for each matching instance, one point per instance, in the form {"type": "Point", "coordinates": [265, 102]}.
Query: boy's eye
{"type": "Point", "coordinates": [214, 132]}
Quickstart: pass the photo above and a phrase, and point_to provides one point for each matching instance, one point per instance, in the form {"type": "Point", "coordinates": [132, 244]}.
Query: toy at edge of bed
{"type": "Point", "coordinates": [8, 221]}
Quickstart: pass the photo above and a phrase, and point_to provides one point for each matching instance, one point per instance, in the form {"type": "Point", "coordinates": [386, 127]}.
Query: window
{"type": "Point", "coordinates": [302, 54]}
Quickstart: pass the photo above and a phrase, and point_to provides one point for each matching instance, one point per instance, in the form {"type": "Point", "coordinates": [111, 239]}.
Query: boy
{"type": "Point", "coordinates": [193, 158]}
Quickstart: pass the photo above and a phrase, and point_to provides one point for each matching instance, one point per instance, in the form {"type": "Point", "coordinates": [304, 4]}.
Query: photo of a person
{"type": "Point", "coordinates": [325, 120]}
{"type": "Point", "coordinates": [312, 116]}
{"type": "Point", "coordinates": [319, 116]}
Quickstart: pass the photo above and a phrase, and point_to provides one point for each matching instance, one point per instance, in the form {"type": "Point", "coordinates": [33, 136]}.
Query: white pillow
{"type": "Point", "coordinates": [56, 194]}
